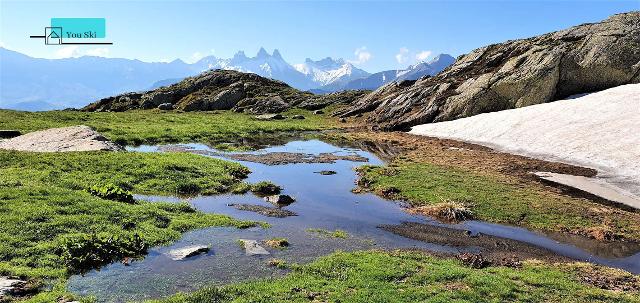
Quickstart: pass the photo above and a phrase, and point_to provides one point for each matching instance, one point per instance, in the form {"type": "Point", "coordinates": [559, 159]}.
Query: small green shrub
{"type": "Point", "coordinates": [187, 188]}
{"type": "Point", "coordinates": [113, 192]}
{"type": "Point", "coordinates": [82, 252]}
{"type": "Point", "coordinates": [266, 188]}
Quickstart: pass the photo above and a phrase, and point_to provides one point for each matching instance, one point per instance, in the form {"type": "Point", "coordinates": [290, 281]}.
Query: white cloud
{"type": "Point", "coordinates": [98, 52]}
{"type": "Point", "coordinates": [195, 57]}
{"type": "Point", "coordinates": [74, 51]}
{"type": "Point", "coordinates": [403, 55]}
{"type": "Point", "coordinates": [362, 55]}
{"type": "Point", "coordinates": [423, 55]}
{"type": "Point", "coordinates": [71, 51]}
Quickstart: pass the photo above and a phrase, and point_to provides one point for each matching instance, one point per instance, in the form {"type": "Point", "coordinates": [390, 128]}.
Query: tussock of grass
{"type": "Point", "coordinates": [277, 242]}
{"type": "Point", "coordinates": [448, 211]}
{"type": "Point", "coordinates": [338, 233]}
{"type": "Point", "coordinates": [279, 263]}
{"type": "Point", "coordinates": [376, 276]}
{"type": "Point", "coordinates": [265, 188]}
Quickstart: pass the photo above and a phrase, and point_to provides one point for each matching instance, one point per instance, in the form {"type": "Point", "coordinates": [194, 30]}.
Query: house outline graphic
{"type": "Point", "coordinates": [53, 35]}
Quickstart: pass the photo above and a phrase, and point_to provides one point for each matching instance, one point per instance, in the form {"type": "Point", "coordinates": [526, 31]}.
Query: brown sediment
{"type": "Point", "coordinates": [469, 156]}
{"type": "Point", "coordinates": [279, 158]}
{"type": "Point", "coordinates": [605, 277]}
{"type": "Point", "coordinates": [273, 158]}
{"type": "Point", "coordinates": [495, 250]}
{"type": "Point", "coordinates": [265, 211]}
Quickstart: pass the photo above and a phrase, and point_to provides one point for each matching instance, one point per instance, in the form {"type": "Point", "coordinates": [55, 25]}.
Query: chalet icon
{"type": "Point", "coordinates": [53, 35]}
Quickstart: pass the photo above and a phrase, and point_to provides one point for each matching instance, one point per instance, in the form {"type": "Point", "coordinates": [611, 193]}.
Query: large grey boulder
{"type": "Point", "coordinates": [517, 73]}
{"type": "Point", "coordinates": [226, 99]}
{"type": "Point", "coordinates": [64, 139]}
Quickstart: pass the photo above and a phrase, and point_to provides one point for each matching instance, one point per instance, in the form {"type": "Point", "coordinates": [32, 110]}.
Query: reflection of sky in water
{"type": "Point", "coordinates": [321, 202]}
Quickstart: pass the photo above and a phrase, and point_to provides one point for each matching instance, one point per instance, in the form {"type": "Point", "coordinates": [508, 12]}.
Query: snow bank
{"type": "Point", "coordinates": [599, 130]}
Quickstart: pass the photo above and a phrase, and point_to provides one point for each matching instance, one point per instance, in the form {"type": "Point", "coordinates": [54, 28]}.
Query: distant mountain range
{"type": "Point", "coordinates": [42, 84]}
{"type": "Point", "coordinates": [413, 72]}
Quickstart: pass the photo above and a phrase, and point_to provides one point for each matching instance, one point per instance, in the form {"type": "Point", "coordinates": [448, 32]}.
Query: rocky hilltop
{"type": "Point", "coordinates": [516, 73]}
{"type": "Point", "coordinates": [223, 90]}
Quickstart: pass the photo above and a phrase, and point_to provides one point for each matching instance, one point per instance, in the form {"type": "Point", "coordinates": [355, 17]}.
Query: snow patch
{"type": "Point", "coordinates": [599, 130]}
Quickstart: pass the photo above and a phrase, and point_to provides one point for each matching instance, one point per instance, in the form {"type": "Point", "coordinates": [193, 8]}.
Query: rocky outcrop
{"type": "Point", "coordinates": [64, 139]}
{"type": "Point", "coordinates": [517, 73]}
{"type": "Point", "coordinates": [224, 90]}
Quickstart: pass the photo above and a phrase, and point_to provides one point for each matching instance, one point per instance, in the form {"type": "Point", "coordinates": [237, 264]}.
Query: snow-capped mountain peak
{"type": "Point", "coordinates": [328, 70]}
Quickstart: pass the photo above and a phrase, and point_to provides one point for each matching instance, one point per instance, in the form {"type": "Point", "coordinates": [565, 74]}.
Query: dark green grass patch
{"type": "Point", "coordinates": [491, 199]}
{"type": "Point", "coordinates": [62, 213]}
{"type": "Point", "coordinates": [137, 127]}
{"type": "Point", "coordinates": [409, 277]}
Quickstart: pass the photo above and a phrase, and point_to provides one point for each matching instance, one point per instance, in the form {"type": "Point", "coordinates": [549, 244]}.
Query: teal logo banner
{"type": "Point", "coordinates": [68, 30]}
{"type": "Point", "coordinates": [81, 28]}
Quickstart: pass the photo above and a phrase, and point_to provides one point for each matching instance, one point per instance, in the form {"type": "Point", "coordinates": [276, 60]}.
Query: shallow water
{"type": "Point", "coordinates": [322, 201]}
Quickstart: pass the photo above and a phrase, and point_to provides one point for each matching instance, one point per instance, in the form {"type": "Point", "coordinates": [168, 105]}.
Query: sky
{"type": "Point", "coordinates": [374, 35]}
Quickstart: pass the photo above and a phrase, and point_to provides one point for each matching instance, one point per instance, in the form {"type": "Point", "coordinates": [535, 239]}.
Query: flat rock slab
{"type": "Point", "coordinates": [270, 117]}
{"type": "Point", "coordinates": [252, 248]}
{"type": "Point", "coordinates": [187, 252]}
{"type": "Point", "coordinates": [8, 285]}
{"type": "Point", "coordinates": [64, 139]}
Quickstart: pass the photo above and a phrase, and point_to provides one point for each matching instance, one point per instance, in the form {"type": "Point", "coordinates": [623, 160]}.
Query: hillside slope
{"type": "Point", "coordinates": [223, 90]}
{"type": "Point", "coordinates": [517, 73]}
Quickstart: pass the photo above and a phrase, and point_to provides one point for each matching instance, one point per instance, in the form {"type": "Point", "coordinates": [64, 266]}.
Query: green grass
{"type": "Point", "coordinates": [51, 225]}
{"type": "Point", "coordinates": [494, 200]}
{"type": "Point", "coordinates": [338, 233]}
{"type": "Point", "coordinates": [375, 276]}
{"type": "Point", "coordinates": [151, 126]}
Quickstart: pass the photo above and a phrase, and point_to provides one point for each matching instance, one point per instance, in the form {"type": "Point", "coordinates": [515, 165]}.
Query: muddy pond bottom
{"type": "Point", "coordinates": [324, 203]}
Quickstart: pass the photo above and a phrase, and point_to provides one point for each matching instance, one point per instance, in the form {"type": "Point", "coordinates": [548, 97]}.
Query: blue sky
{"type": "Point", "coordinates": [375, 35]}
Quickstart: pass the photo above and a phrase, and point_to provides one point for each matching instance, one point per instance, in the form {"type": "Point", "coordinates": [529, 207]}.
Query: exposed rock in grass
{"type": "Point", "coordinates": [297, 117]}
{"type": "Point", "coordinates": [270, 117]}
{"type": "Point", "coordinates": [165, 106]}
{"type": "Point", "coordinates": [187, 252]}
{"type": "Point", "coordinates": [252, 248]}
{"type": "Point", "coordinates": [265, 211]}
{"type": "Point", "coordinates": [280, 199]}
{"type": "Point", "coordinates": [9, 286]}
{"type": "Point", "coordinates": [473, 260]}
{"type": "Point", "coordinates": [448, 211]}
{"type": "Point", "coordinates": [64, 139]}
